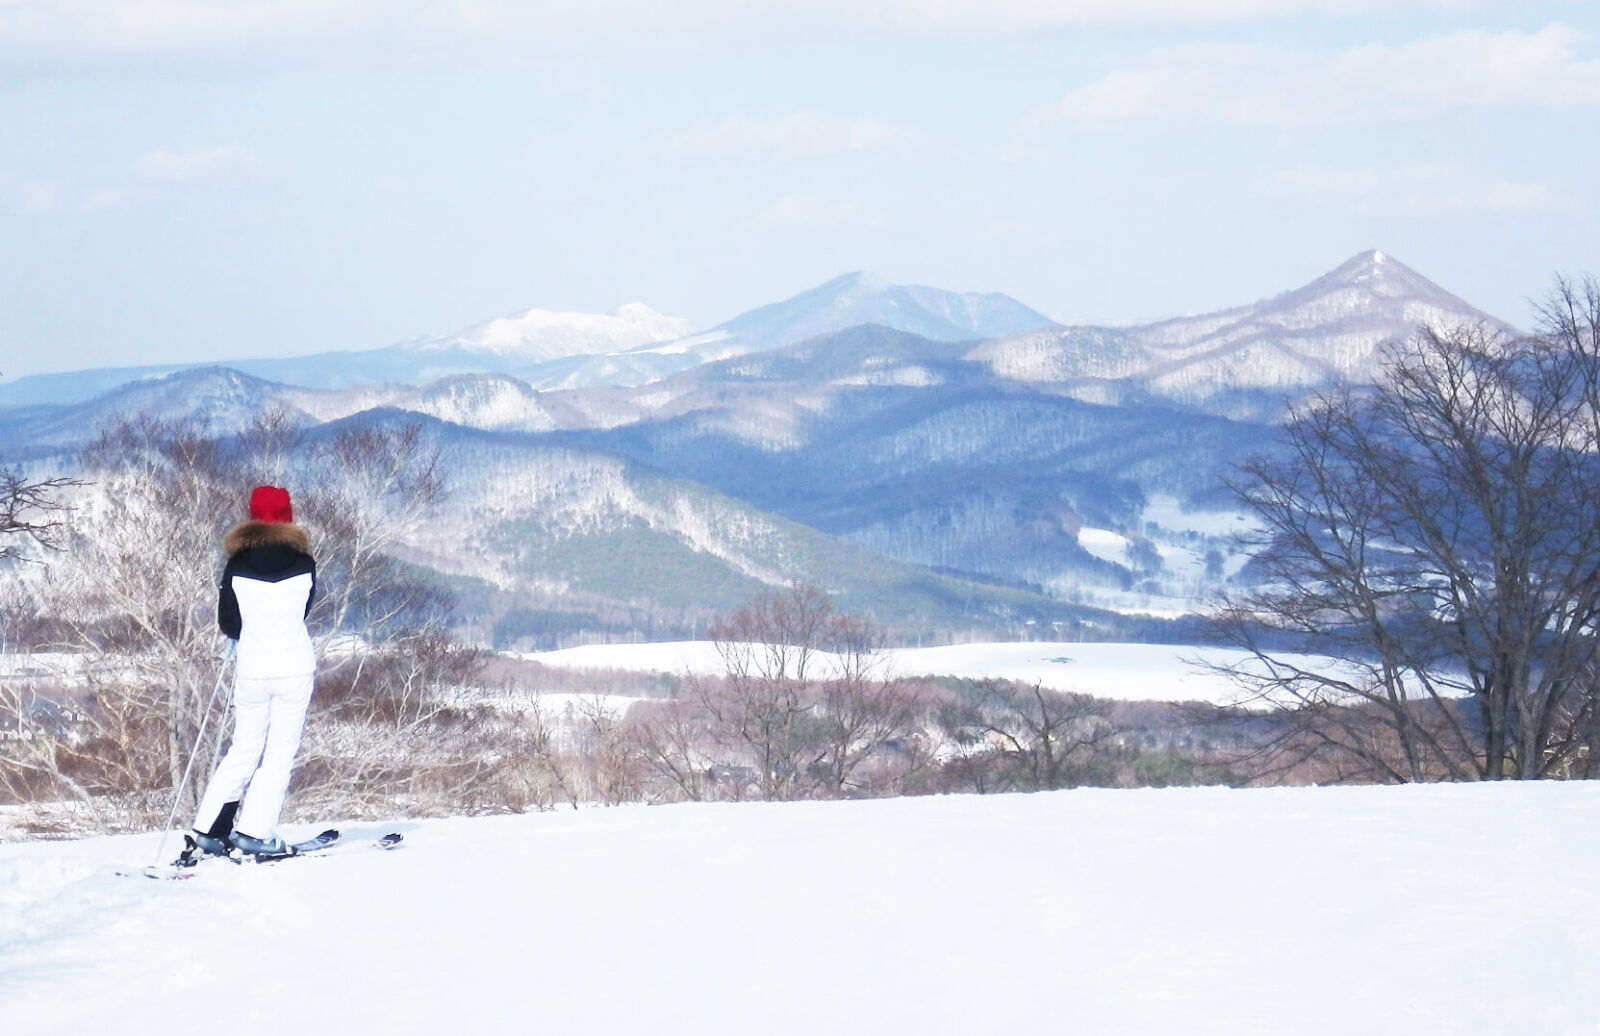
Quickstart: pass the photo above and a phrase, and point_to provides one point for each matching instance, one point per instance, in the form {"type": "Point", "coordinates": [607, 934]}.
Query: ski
{"type": "Point", "coordinates": [319, 844]}
{"type": "Point", "coordinates": [184, 866]}
{"type": "Point", "coordinates": [325, 840]}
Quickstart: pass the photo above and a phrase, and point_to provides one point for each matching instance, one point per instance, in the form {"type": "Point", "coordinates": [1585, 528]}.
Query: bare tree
{"type": "Point", "coordinates": [165, 500]}
{"type": "Point", "coordinates": [802, 708]}
{"type": "Point", "coordinates": [865, 712]}
{"type": "Point", "coordinates": [671, 737]}
{"type": "Point", "coordinates": [769, 648]}
{"type": "Point", "coordinates": [1437, 533]}
{"type": "Point", "coordinates": [36, 713]}
{"type": "Point", "coordinates": [30, 511]}
{"type": "Point", "coordinates": [134, 610]}
{"type": "Point", "coordinates": [372, 486]}
{"type": "Point", "coordinates": [1014, 737]}
{"type": "Point", "coordinates": [614, 765]}
{"type": "Point", "coordinates": [41, 745]}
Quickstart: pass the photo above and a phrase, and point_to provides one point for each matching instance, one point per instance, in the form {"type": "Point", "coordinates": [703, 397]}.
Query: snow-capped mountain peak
{"type": "Point", "coordinates": [1248, 360]}
{"type": "Point", "coordinates": [1381, 275]}
{"type": "Point", "coordinates": [538, 335]}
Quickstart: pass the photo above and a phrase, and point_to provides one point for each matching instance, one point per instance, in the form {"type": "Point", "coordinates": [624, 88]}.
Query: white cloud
{"type": "Point", "coordinates": [1255, 86]}
{"type": "Point", "coordinates": [802, 135]}
{"type": "Point", "coordinates": [1412, 190]}
{"type": "Point", "coordinates": [162, 166]}
{"type": "Point", "coordinates": [806, 211]}
{"type": "Point", "coordinates": [38, 31]}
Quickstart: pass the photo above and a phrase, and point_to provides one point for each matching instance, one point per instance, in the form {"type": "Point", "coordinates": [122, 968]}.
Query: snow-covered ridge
{"type": "Point", "coordinates": [1333, 329]}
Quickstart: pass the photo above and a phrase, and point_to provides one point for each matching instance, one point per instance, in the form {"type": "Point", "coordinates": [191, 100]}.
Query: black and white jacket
{"type": "Point", "coordinates": [267, 589]}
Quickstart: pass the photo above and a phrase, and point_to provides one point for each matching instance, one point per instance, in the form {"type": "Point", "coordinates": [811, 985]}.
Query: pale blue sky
{"type": "Point", "coordinates": [189, 180]}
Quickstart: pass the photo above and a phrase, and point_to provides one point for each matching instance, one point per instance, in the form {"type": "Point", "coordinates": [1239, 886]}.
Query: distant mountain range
{"type": "Point", "coordinates": [569, 350]}
{"type": "Point", "coordinates": [946, 460]}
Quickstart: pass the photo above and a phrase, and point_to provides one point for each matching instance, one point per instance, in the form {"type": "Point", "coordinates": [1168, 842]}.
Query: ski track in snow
{"type": "Point", "coordinates": [1437, 909]}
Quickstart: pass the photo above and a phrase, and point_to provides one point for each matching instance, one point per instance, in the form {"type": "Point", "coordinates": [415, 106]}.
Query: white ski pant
{"type": "Point", "coordinates": [269, 714]}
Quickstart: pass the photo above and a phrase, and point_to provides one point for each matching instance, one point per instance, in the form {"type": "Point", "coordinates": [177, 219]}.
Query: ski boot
{"type": "Point", "coordinates": [260, 847]}
{"type": "Point", "coordinates": [208, 845]}
{"type": "Point", "coordinates": [197, 845]}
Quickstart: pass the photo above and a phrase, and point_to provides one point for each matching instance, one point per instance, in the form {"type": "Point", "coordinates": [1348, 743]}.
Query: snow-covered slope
{"type": "Point", "coordinates": [563, 528]}
{"type": "Point", "coordinates": [894, 442]}
{"type": "Point", "coordinates": [494, 402]}
{"type": "Point", "coordinates": [1319, 911]}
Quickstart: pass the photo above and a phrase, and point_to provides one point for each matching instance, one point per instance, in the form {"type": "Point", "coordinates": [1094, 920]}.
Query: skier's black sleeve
{"type": "Point", "coordinates": [312, 596]}
{"type": "Point", "coordinates": [228, 619]}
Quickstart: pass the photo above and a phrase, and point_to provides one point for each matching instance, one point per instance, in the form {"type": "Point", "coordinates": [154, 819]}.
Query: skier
{"type": "Point", "coordinates": [266, 592]}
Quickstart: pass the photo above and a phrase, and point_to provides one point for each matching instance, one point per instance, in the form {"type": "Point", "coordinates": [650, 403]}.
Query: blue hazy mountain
{"type": "Point", "coordinates": [630, 346]}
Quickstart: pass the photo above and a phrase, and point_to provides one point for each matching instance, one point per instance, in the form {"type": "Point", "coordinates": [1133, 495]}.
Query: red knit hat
{"type": "Point", "coordinates": [270, 504]}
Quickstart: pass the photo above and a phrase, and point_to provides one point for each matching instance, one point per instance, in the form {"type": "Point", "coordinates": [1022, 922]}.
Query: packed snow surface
{"type": "Point", "coordinates": [1418, 910]}
{"type": "Point", "coordinates": [1117, 672]}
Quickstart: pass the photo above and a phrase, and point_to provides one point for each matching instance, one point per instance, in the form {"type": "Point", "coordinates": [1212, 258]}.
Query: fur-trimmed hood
{"type": "Point", "coordinates": [246, 535]}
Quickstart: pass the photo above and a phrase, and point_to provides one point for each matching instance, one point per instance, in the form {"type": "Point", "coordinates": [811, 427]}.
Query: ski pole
{"type": "Point", "coordinates": [194, 753]}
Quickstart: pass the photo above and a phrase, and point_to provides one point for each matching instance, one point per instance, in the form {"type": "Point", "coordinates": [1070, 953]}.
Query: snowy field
{"type": "Point", "coordinates": [1119, 672]}
{"type": "Point", "coordinates": [1420, 910]}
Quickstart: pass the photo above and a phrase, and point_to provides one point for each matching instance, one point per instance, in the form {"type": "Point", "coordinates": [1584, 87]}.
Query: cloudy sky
{"type": "Point", "coordinates": [186, 180]}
